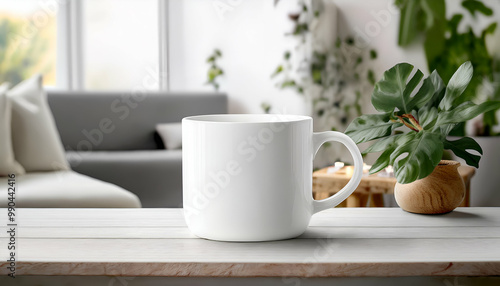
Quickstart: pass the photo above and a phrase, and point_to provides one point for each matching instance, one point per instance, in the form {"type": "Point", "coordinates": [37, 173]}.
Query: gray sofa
{"type": "Point", "coordinates": [111, 137]}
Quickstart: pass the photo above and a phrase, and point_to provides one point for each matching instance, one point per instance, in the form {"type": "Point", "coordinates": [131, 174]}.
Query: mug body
{"type": "Point", "coordinates": [247, 177]}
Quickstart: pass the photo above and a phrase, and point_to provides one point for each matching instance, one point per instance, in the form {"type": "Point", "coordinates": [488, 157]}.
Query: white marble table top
{"type": "Point", "coordinates": [341, 242]}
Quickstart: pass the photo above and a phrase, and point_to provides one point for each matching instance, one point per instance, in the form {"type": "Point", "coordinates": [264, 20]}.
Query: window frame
{"type": "Point", "coordinates": [71, 54]}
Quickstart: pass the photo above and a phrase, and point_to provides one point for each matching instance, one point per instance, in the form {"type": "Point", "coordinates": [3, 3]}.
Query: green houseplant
{"type": "Point", "coordinates": [414, 122]}
{"type": "Point", "coordinates": [469, 33]}
{"type": "Point", "coordinates": [448, 42]}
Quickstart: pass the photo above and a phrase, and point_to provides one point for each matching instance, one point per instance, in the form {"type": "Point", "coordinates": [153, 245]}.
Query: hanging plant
{"type": "Point", "coordinates": [332, 78]}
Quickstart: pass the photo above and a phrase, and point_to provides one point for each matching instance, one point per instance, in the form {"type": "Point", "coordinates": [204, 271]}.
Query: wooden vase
{"type": "Point", "coordinates": [440, 192]}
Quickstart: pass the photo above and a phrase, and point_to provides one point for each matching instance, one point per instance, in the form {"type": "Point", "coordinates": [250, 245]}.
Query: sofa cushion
{"type": "Point", "coordinates": [171, 135]}
{"type": "Point", "coordinates": [37, 145]}
{"type": "Point", "coordinates": [8, 163]}
{"type": "Point", "coordinates": [155, 176]}
{"type": "Point", "coordinates": [66, 189]}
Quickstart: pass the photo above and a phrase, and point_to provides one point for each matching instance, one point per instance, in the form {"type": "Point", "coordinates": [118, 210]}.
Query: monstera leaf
{"type": "Point", "coordinates": [382, 144]}
{"type": "Point", "coordinates": [465, 111]}
{"type": "Point", "coordinates": [394, 89]}
{"type": "Point", "coordinates": [390, 145]}
{"type": "Point", "coordinates": [413, 155]}
{"type": "Point", "coordinates": [423, 153]}
{"type": "Point", "coordinates": [370, 127]}
{"type": "Point", "coordinates": [456, 86]}
{"type": "Point", "coordinates": [429, 113]}
{"type": "Point", "coordinates": [460, 147]}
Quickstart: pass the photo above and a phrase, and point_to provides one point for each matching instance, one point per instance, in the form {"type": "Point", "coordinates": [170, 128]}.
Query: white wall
{"type": "Point", "coordinates": [250, 36]}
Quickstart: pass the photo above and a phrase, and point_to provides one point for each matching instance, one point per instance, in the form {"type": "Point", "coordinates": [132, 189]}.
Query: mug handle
{"type": "Point", "coordinates": [319, 139]}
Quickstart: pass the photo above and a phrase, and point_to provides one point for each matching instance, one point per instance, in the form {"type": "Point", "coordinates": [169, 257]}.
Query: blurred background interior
{"type": "Point", "coordinates": [119, 75]}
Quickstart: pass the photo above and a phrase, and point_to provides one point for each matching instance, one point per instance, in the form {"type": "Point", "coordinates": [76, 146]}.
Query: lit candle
{"type": "Point", "coordinates": [388, 172]}
{"type": "Point", "coordinates": [334, 169]}
{"type": "Point", "coordinates": [366, 168]}
{"type": "Point", "coordinates": [349, 170]}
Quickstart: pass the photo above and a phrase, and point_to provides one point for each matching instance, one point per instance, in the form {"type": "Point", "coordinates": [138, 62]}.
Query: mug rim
{"type": "Point", "coordinates": [246, 118]}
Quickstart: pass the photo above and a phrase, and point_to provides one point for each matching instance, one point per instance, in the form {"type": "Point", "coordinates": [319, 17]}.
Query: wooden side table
{"type": "Point", "coordinates": [371, 187]}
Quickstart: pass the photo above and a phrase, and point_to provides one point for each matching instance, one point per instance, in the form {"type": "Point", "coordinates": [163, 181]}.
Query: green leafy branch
{"type": "Point", "coordinates": [429, 114]}
{"type": "Point", "coordinates": [214, 71]}
{"type": "Point", "coordinates": [332, 78]}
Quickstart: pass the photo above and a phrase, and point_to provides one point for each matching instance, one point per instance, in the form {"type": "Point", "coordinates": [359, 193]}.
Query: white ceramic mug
{"type": "Point", "coordinates": [249, 177]}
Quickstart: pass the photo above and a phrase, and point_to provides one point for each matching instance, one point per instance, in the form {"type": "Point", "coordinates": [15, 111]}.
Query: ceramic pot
{"type": "Point", "coordinates": [440, 192]}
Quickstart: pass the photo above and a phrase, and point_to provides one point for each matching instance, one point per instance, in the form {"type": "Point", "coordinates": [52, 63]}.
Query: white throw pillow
{"type": "Point", "coordinates": [36, 141]}
{"type": "Point", "coordinates": [171, 135]}
{"type": "Point", "coordinates": [8, 165]}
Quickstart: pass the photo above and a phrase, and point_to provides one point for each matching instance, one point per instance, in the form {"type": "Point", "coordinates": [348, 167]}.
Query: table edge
{"type": "Point", "coordinates": [222, 269]}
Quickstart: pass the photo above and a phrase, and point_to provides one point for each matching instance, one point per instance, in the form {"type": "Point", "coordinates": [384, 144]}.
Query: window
{"type": "Point", "coordinates": [90, 44]}
{"type": "Point", "coordinates": [120, 40]}
{"type": "Point", "coordinates": [28, 42]}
